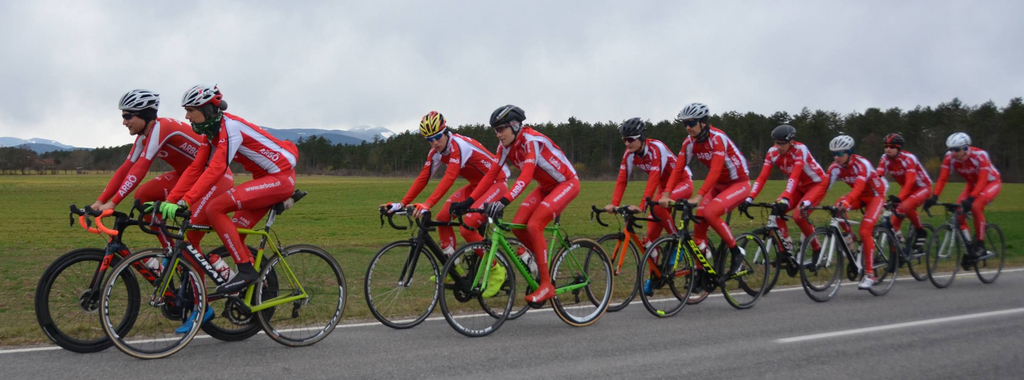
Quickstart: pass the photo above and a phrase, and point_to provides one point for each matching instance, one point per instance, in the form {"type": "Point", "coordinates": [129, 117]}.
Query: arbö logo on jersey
{"type": "Point", "coordinates": [272, 155]}
{"type": "Point", "coordinates": [967, 170]}
{"type": "Point", "coordinates": [556, 163]}
{"type": "Point", "coordinates": [786, 168]}
{"type": "Point", "coordinates": [202, 261]}
{"type": "Point", "coordinates": [703, 156]}
{"type": "Point", "coordinates": [129, 182]}
{"type": "Point", "coordinates": [189, 148]}
{"type": "Point", "coordinates": [520, 185]}
{"type": "Point", "coordinates": [849, 179]}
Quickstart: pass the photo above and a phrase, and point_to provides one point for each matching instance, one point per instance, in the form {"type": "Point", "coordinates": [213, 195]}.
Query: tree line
{"type": "Point", "coordinates": [596, 148]}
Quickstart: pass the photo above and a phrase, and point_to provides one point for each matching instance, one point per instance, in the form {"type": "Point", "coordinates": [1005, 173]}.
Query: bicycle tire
{"type": "Point", "coordinates": [770, 254]}
{"type": "Point", "coordinates": [313, 270]}
{"type": "Point", "coordinates": [395, 304]}
{"type": "Point", "coordinates": [915, 260]}
{"type": "Point", "coordinates": [626, 282]}
{"type": "Point", "coordinates": [582, 262]}
{"type": "Point", "coordinates": [819, 277]}
{"type": "Point", "coordinates": [153, 335]}
{"type": "Point", "coordinates": [465, 309]}
{"type": "Point", "coordinates": [663, 297]}
{"type": "Point", "coordinates": [86, 336]}
{"type": "Point", "coordinates": [983, 268]}
{"type": "Point", "coordinates": [519, 304]}
{"type": "Point", "coordinates": [886, 261]}
{"type": "Point", "coordinates": [749, 287]}
{"type": "Point", "coordinates": [944, 247]}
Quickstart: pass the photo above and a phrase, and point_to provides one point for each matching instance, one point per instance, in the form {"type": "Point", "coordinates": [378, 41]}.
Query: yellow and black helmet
{"type": "Point", "coordinates": [432, 124]}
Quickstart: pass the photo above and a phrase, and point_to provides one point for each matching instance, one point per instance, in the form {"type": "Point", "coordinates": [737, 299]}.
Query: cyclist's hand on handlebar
{"type": "Point", "coordinates": [931, 201]}
{"type": "Point", "coordinates": [781, 207]}
{"type": "Point", "coordinates": [96, 205]}
{"type": "Point", "coordinates": [100, 206]}
{"type": "Point", "coordinates": [392, 208]}
{"type": "Point", "coordinates": [695, 199]}
{"type": "Point", "coordinates": [458, 208]}
{"type": "Point", "coordinates": [843, 204]}
{"type": "Point", "coordinates": [665, 201]}
{"type": "Point", "coordinates": [634, 209]}
{"type": "Point", "coordinates": [967, 204]}
{"type": "Point", "coordinates": [894, 199]}
{"type": "Point", "coordinates": [609, 208]}
{"type": "Point", "coordinates": [746, 204]}
{"type": "Point", "coordinates": [420, 208]}
{"type": "Point", "coordinates": [168, 210]}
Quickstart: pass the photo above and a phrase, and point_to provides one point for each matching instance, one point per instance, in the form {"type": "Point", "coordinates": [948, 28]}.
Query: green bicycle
{"type": "Point", "coordinates": [580, 272]}
{"type": "Point", "coordinates": [309, 281]}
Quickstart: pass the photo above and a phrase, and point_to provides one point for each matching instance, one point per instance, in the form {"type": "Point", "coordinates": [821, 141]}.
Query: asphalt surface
{"type": "Point", "coordinates": [969, 330]}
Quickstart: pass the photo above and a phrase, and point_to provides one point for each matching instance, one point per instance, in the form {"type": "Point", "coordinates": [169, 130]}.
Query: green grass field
{"type": "Point", "coordinates": [340, 214]}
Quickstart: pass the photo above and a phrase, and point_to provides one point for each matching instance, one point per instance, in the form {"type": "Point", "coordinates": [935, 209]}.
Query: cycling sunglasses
{"type": "Point", "coordinates": [890, 146]}
{"type": "Point", "coordinates": [780, 142]}
{"type": "Point", "coordinates": [501, 128]}
{"type": "Point", "coordinates": [129, 116]}
{"type": "Point", "coordinates": [839, 154]}
{"type": "Point", "coordinates": [956, 150]}
{"type": "Point", "coordinates": [690, 123]}
{"type": "Point", "coordinates": [630, 139]}
{"type": "Point", "coordinates": [435, 137]}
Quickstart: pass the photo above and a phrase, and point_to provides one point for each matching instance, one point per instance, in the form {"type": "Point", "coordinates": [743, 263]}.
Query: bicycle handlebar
{"type": "Point", "coordinates": [390, 218]}
{"type": "Point", "coordinates": [950, 207]}
{"type": "Point", "coordinates": [97, 215]}
{"type": "Point", "coordinates": [746, 211]}
{"type": "Point", "coordinates": [628, 214]}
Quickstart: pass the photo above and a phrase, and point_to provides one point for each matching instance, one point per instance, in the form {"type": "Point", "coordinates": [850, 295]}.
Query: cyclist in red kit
{"type": "Point", "coordinates": [915, 185]}
{"type": "Point", "coordinates": [867, 191]}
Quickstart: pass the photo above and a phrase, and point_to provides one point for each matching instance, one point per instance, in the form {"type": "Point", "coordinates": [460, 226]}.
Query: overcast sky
{"type": "Point", "coordinates": [339, 65]}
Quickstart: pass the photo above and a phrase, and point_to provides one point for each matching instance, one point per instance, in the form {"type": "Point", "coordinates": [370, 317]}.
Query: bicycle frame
{"type": "Point", "coordinates": [422, 239]}
{"type": "Point", "coordinates": [497, 238]}
{"type": "Point", "coordinates": [836, 233]}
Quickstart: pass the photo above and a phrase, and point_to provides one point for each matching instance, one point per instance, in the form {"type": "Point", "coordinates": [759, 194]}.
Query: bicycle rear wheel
{"type": "Point", "coordinates": [944, 248]}
{"type": "Point", "coordinates": [584, 267]}
{"type": "Point", "coordinates": [231, 323]}
{"type": "Point", "coordinates": [742, 291]}
{"type": "Point", "coordinates": [154, 334]}
{"type": "Point", "coordinates": [464, 307]}
{"type": "Point", "coordinates": [820, 269]}
{"type": "Point", "coordinates": [401, 285]}
{"type": "Point", "coordinates": [302, 268]}
{"type": "Point", "coordinates": [624, 258]}
{"type": "Point", "coordinates": [988, 268]}
{"type": "Point", "coordinates": [665, 291]}
{"type": "Point", "coordinates": [886, 261]}
{"type": "Point", "coordinates": [67, 310]}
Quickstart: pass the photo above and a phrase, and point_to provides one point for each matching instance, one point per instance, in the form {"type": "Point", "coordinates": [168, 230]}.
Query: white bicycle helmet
{"type": "Point", "coordinates": [138, 100]}
{"type": "Point", "coordinates": [200, 95]}
{"type": "Point", "coordinates": [958, 140]}
{"type": "Point", "coordinates": [842, 143]}
{"type": "Point", "coordinates": [693, 111]}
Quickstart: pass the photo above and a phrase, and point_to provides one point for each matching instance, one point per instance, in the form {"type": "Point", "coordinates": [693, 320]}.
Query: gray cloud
{"type": "Point", "coordinates": [342, 65]}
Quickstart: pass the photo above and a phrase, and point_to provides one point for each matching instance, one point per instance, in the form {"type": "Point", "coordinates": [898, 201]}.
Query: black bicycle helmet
{"type": "Point", "coordinates": [894, 139]}
{"type": "Point", "coordinates": [784, 132]}
{"type": "Point", "coordinates": [634, 128]}
{"type": "Point", "coordinates": [506, 115]}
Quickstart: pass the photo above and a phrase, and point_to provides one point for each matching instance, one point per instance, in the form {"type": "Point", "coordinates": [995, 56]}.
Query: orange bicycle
{"type": "Point", "coordinates": [625, 248]}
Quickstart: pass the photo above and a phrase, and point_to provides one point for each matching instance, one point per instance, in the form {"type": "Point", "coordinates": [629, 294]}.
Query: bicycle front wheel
{"type": "Point", "coordinates": [401, 285]}
{"type": "Point", "coordinates": [311, 272]}
{"type": "Point", "coordinates": [821, 266]}
{"type": "Point", "coordinates": [583, 271]}
{"type": "Point", "coordinates": [666, 285]}
{"type": "Point", "coordinates": [944, 248]}
{"type": "Point", "coordinates": [915, 260]}
{"type": "Point", "coordinates": [68, 310]}
{"type": "Point", "coordinates": [746, 287]}
{"type": "Point", "coordinates": [164, 322]}
{"type": "Point", "coordinates": [463, 305]}
{"type": "Point", "coordinates": [989, 267]}
{"type": "Point", "coordinates": [624, 260]}
{"type": "Point", "coordinates": [886, 261]}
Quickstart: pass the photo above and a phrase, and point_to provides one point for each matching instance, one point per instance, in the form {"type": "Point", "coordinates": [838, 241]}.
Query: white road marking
{"type": "Point", "coordinates": [899, 325]}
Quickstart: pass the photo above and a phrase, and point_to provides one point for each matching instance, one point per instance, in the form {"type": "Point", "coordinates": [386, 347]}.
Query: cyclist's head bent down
{"type": "Point", "coordinates": [434, 128]}
{"type": "Point", "coordinates": [893, 144]}
{"type": "Point", "coordinates": [695, 118]}
{"type": "Point", "coordinates": [138, 109]}
{"type": "Point", "coordinates": [783, 136]}
{"type": "Point", "coordinates": [507, 121]}
{"type": "Point", "coordinates": [204, 108]}
{"type": "Point", "coordinates": [634, 133]}
{"type": "Point", "coordinates": [842, 148]}
{"type": "Point", "coordinates": [958, 144]}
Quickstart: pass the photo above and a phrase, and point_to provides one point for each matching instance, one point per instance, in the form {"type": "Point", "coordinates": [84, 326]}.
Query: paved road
{"type": "Point", "coordinates": [969, 330]}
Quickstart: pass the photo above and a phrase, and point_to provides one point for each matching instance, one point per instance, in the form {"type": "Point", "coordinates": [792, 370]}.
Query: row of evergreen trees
{"type": "Point", "coordinates": [596, 148]}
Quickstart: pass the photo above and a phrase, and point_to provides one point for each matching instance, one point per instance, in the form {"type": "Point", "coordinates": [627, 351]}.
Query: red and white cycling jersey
{"type": "Point", "coordinates": [858, 174]}
{"type": "Point", "coordinates": [465, 158]}
{"type": "Point", "coordinates": [976, 169]}
{"type": "Point", "coordinates": [727, 165]}
{"type": "Point", "coordinates": [529, 152]}
{"type": "Point", "coordinates": [238, 140]}
{"type": "Point", "coordinates": [656, 159]}
{"type": "Point", "coordinates": [797, 164]}
{"type": "Point", "coordinates": [906, 170]}
{"type": "Point", "coordinates": [170, 140]}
